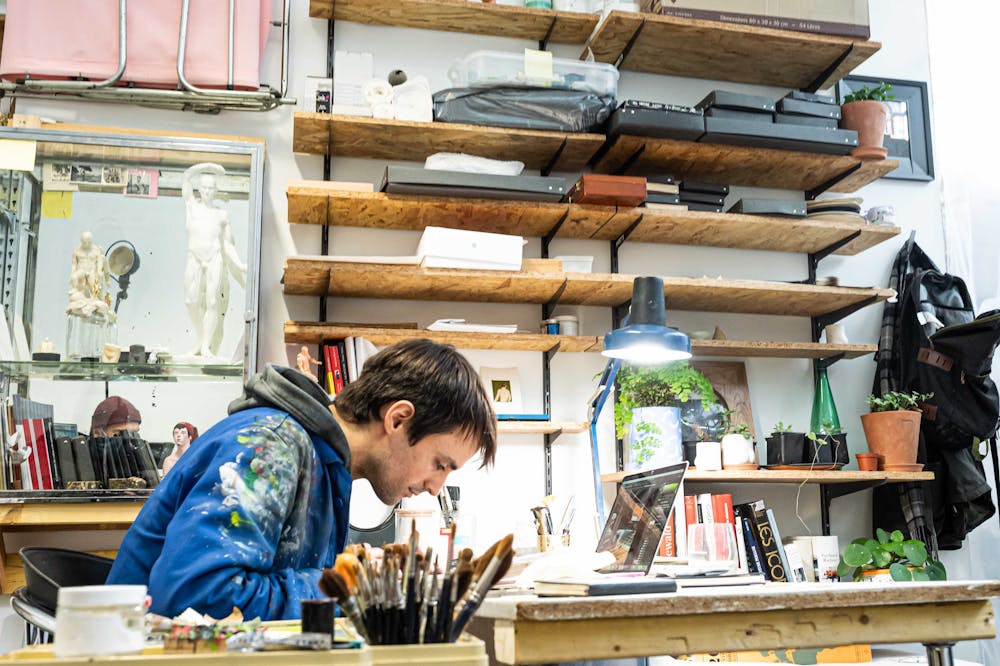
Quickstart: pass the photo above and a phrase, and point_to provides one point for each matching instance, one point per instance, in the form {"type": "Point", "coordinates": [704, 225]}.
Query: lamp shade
{"type": "Point", "coordinates": [646, 339]}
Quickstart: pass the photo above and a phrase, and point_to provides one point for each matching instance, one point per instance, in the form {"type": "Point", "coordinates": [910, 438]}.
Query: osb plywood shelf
{"type": "Point", "coordinates": [318, 202]}
{"type": "Point", "coordinates": [462, 16]}
{"type": "Point", "coordinates": [297, 332]}
{"type": "Point", "coordinates": [29, 517]}
{"type": "Point", "coordinates": [727, 52]}
{"type": "Point", "coordinates": [740, 165]}
{"type": "Point", "coordinates": [540, 427]}
{"type": "Point", "coordinates": [792, 476]}
{"type": "Point", "coordinates": [357, 136]}
{"type": "Point", "coordinates": [322, 276]}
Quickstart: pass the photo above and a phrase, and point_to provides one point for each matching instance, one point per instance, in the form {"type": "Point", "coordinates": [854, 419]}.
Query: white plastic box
{"type": "Point", "coordinates": [499, 68]}
{"type": "Point", "coordinates": [456, 248]}
{"type": "Point", "coordinates": [576, 264]}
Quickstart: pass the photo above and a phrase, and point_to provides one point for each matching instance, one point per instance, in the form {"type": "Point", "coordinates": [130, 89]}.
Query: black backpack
{"type": "Point", "coordinates": [932, 342]}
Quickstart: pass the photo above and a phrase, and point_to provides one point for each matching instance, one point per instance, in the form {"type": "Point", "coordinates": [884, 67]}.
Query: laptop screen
{"type": "Point", "coordinates": [638, 517]}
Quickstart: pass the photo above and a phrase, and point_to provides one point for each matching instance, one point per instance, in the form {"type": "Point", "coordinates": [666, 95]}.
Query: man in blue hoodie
{"type": "Point", "coordinates": [258, 506]}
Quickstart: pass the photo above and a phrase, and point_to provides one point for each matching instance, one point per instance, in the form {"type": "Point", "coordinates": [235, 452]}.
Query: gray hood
{"type": "Point", "coordinates": [291, 391]}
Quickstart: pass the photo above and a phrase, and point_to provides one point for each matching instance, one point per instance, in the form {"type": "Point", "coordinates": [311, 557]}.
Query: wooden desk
{"type": "Point", "coordinates": [531, 630]}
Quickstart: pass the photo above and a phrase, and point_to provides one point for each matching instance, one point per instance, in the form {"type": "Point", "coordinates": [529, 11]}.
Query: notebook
{"type": "Point", "coordinates": [638, 517]}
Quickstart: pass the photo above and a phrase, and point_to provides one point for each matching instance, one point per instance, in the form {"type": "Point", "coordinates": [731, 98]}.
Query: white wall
{"type": "Point", "coordinates": [781, 389]}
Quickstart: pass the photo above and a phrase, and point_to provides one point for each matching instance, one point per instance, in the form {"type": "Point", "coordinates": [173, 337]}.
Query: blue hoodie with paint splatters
{"type": "Point", "coordinates": [251, 513]}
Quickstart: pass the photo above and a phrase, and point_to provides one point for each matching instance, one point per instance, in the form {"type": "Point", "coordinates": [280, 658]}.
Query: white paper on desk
{"type": "Point", "coordinates": [462, 325]}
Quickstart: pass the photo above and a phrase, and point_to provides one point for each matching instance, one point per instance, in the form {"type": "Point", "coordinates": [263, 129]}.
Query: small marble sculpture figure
{"type": "Point", "coordinates": [46, 346]}
{"type": "Point", "coordinates": [88, 280]}
{"type": "Point", "coordinates": [211, 257]}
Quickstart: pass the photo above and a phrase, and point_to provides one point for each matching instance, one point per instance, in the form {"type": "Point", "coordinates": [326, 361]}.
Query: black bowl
{"type": "Point", "coordinates": [48, 569]}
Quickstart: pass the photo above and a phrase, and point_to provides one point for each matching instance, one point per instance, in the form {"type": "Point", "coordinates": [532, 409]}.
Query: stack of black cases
{"type": "Point", "coordinates": [664, 121]}
{"type": "Point", "coordinates": [433, 182]}
{"type": "Point", "coordinates": [802, 108]}
{"type": "Point", "coordinates": [749, 120]}
{"type": "Point", "coordinates": [708, 197]}
{"type": "Point", "coordinates": [663, 193]}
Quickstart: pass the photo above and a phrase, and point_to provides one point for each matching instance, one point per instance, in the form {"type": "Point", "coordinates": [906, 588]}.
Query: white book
{"type": "Point", "coordinates": [680, 524]}
{"type": "Point", "coordinates": [462, 325]}
{"type": "Point", "coordinates": [352, 362]}
{"type": "Point", "coordinates": [796, 567]}
{"type": "Point", "coordinates": [364, 349]}
{"type": "Point", "coordinates": [704, 501]}
{"type": "Point", "coordinates": [741, 547]}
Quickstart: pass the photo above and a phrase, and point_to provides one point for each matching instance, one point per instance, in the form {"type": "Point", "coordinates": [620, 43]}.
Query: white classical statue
{"type": "Point", "coordinates": [211, 256]}
{"type": "Point", "coordinates": [88, 281]}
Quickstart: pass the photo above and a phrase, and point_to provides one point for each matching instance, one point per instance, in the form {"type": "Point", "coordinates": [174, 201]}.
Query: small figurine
{"type": "Point", "coordinates": [46, 346]}
{"type": "Point", "coordinates": [88, 280]}
{"type": "Point", "coordinates": [303, 361]}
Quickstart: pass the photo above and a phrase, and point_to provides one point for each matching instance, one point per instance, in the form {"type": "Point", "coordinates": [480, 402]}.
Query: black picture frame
{"type": "Point", "coordinates": [908, 128]}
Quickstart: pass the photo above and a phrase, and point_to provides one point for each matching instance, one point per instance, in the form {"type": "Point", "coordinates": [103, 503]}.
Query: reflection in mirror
{"type": "Point", "coordinates": [93, 208]}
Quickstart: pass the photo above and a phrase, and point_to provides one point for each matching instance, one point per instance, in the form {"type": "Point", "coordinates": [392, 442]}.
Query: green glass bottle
{"type": "Point", "coordinates": [824, 412]}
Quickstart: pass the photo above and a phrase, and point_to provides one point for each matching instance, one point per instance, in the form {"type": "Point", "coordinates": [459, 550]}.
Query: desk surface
{"type": "Point", "coordinates": [532, 630]}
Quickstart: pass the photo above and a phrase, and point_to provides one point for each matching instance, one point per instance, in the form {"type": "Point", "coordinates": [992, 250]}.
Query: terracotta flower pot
{"type": "Point", "coordinates": [867, 462]}
{"type": "Point", "coordinates": [893, 435]}
{"type": "Point", "coordinates": [867, 118]}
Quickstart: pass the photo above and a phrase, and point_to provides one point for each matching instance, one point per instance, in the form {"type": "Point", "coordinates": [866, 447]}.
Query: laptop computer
{"type": "Point", "coordinates": [638, 517]}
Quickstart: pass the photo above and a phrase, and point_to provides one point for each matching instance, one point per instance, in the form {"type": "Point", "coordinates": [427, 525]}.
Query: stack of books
{"type": "Point", "coordinates": [708, 197]}
{"type": "Point", "coordinates": [663, 193]}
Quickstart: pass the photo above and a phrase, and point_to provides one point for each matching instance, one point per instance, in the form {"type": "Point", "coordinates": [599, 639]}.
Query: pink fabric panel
{"type": "Point", "coordinates": [48, 39]}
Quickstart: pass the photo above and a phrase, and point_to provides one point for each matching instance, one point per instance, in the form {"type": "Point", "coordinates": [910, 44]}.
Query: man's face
{"type": "Point", "coordinates": [112, 430]}
{"type": "Point", "coordinates": [404, 470]}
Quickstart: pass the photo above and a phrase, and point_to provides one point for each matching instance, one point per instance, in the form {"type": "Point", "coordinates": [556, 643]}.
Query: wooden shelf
{"type": "Point", "coordinates": [788, 476]}
{"type": "Point", "coordinates": [540, 427]}
{"type": "Point", "coordinates": [739, 165]}
{"type": "Point", "coordinates": [317, 202]}
{"type": "Point", "coordinates": [322, 276]}
{"type": "Point", "coordinates": [462, 16]}
{"type": "Point", "coordinates": [297, 332]}
{"type": "Point", "coordinates": [727, 52]}
{"type": "Point", "coordinates": [357, 136]}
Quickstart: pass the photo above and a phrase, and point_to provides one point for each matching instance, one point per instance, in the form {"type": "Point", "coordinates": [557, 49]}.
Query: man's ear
{"type": "Point", "coordinates": [397, 415]}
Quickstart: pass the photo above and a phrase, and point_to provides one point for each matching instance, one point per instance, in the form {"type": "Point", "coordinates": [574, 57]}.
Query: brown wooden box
{"type": "Point", "coordinates": [603, 190]}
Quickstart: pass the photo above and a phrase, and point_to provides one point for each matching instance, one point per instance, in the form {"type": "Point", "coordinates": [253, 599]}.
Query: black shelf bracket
{"type": "Point", "coordinates": [547, 453]}
{"type": "Point", "coordinates": [819, 322]}
{"type": "Point", "coordinates": [551, 304]}
{"type": "Point", "coordinates": [547, 169]}
{"type": "Point", "coordinates": [628, 47]}
{"type": "Point", "coordinates": [830, 491]}
{"type": "Point", "coordinates": [826, 73]}
{"type": "Point", "coordinates": [550, 236]}
{"type": "Point", "coordinates": [815, 257]}
{"type": "Point", "coordinates": [828, 361]}
{"type": "Point", "coordinates": [823, 187]}
{"type": "Point", "coordinates": [618, 242]}
{"type": "Point", "coordinates": [543, 43]}
{"type": "Point", "coordinates": [627, 164]}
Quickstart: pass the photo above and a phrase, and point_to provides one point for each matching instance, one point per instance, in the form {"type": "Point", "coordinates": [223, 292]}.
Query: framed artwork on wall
{"type": "Point", "coordinates": [907, 128]}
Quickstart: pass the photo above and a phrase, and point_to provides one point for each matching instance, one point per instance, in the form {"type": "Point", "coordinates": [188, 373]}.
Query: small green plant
{"type": "Point", "coordinates": [879, 93]}
{"type": "Point", "coordinates": [666, 385]}
{"type": "Point", "coordinates": [906, 559]}
{"type": "Point", "coordinates": [732, 428]}
{"type": "Point", "coordinates": [898, 400]}
{"type": "Point", "coordinates": [781, 427]}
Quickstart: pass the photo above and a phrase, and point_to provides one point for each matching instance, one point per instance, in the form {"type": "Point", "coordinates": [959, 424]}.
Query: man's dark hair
{"type": "Point", "coordinates": [444, 388]}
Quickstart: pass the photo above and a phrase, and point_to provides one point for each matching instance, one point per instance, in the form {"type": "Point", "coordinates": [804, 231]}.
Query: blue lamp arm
{"type": "Point", "coordinates": [597, 402]}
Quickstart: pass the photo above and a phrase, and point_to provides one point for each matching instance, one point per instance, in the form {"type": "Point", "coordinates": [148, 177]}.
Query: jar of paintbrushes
{"type": "Point", "coordinates": [406, 596]}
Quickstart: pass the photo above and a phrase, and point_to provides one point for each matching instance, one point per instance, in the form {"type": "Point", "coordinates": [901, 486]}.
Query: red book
{"type": "Point", "coordinates": [667, 546]}
{"type": "Point", "coordinates": [722, 508]}
{"type": "Point", "coordinates": [328, 354]}
{"type": "Point", "coordinates": [691, 510]}
{"type": "Point", "coordinates": [41, 473]}
{"type": "Point", "coordinates": [336, 368]}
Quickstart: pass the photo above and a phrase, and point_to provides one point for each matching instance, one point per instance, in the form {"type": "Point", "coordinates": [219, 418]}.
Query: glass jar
{"type": "Point", "coordinates": [824, 420]}
{"type": "Point", "coordinates": [93, 620]}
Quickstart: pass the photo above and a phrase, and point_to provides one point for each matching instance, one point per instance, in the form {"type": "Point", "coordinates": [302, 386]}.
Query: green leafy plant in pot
{"type": "Point", "coordinates": [865, 112]}
{"type": "Point", "coordinates": [785, 447]}
{"type": "Point", "coordinates": [641, 388]}
{"type": "Point", "coordinates": [827, 446]}
{"type": "Point", "coordinates": [889, 556]}
{"type": "Point", "coordinates": [893, 428]}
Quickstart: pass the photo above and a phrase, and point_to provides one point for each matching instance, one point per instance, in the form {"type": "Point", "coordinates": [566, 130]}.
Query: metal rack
{"type": "Point", "coordinates": [187, 97]}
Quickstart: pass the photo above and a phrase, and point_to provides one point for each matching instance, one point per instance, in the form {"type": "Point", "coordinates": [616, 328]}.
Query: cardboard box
{"type": "Point", "coordinates": [456, 248]}
{"type": "Point", "coordinates": [843, 17]}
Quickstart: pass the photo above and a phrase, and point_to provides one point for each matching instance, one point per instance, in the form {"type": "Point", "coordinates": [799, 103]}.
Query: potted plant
{"type": "Point", "coordinates": [785, 447]}
{"type": "Point", "coordinates": [737, 446]}
{"type": "Point", "coordinates": [646, 410]}
{"type": "Point", "coordinates": [864, 111]}
{"type": "Point", "coordinates": [827, 447]}
{"type": "Point", "coordinates": [889, 557]}
{"type": "Point", "coordinates": [893, 427]}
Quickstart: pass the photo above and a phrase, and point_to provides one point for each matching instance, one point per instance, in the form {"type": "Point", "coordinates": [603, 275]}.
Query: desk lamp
{"type": "Point", "coordinates": [647, 341]}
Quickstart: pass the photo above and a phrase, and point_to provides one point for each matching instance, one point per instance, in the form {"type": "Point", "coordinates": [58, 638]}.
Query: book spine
{"type": "Point", "coordinates": [705, 506]}
{"type": "Point", "coordinates": [50, 443]}
{"type": "Point", "coordinates": [328, 368]}
{"type": "Point", "coordinates": [352, 360]}
{"type": "Point", "coordinates": [340, 374]}
{"type": "Point", "coordinates": [680, 523]}
{"type": "Point", "coordinates": [667, 546]}
{"type": "Point", "coordinates": [779, 545]}
{"type": "Point", "coordinates": [741, 548]}
{"type": "Point", "coordinates": [691, 510]}
{"type": "Point", "coordinates": [765, 538]}
{"type": "Point", "coordinates": [755, 558]}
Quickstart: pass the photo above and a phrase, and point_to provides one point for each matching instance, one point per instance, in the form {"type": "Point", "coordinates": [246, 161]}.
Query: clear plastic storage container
{"type": "Point", "coordinates": [499, 68]}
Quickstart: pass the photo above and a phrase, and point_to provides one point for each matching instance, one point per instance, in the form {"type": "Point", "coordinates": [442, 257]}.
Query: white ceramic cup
{"type": "Point", "coordinates": [835, 334]}
{"type": "Point", "coordinates": [708, 456]}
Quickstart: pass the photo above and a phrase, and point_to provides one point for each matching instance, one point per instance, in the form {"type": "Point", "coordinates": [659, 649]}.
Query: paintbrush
{"type": "Point", "coordinates": [332, 584]}
{"type": "Point", "coordinates": [428, 609]}
{"type": "Point", "coordinates": [498, 565]}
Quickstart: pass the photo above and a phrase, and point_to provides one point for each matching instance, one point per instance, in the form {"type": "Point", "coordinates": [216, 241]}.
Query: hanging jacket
{"type": "Point", "coordinates": [251, 513]}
